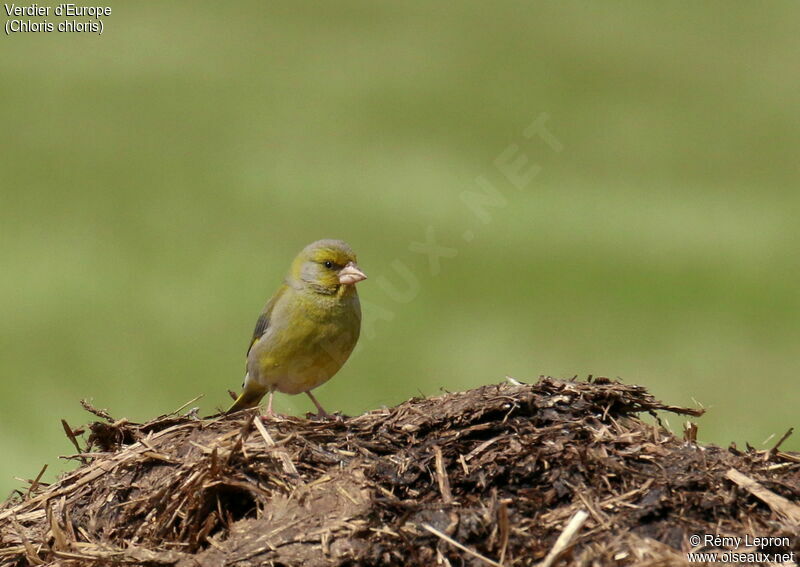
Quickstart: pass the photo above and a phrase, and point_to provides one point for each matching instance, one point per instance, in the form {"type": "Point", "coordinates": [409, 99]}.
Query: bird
{"type": "Point", "coordinates": [308, 329]}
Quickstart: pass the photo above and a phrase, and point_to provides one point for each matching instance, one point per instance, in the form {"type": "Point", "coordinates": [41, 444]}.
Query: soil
{"type": "Point", "coordinates": [553, 473]}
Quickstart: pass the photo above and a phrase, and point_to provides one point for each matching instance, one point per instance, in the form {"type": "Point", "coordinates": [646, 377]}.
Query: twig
{"type": "Point", "coordinates": [60, 540]}
{"type": "Point", "coordinates": [463, 464]}
{"type": "Point", "coordinates": [463, 548]}
{"type": "Point", "coordinates": [595, 512]}
{"type": "Point", "coordinates": [483, 446]}
{"type": "Point", "coordinates": [788, 457]}
{"type": "Point", "coordinates": [193, 400]}
{"type": "Point", "coordinates": [777, 503]}
{"type": "Point", "coordinates": [71, 436]}
{"type": "Point", "coordinates": [30, 552]}
{"type": "Point", "coordinates": [690, 432]}
{"type": "Point", "coordinates": [683, 411]}
{"type": "Point", "coordinates": [288, 465]}
{"type": "Point", "coordinates": [35, 483]}
{"type": "Point", "coordinates": [565, 539]}
{"type": "Point", "coordinates": [441, 476]}
{"type": "Point", "coordinates": [98, 412]}
{"type": "Point", "coordinates": [505, 530]}
{"type": "Point", "coordinates": [783, 438]}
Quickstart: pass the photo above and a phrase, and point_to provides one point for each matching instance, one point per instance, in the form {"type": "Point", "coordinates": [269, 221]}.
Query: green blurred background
{"type": "Point", "coordinates": [157, 180]}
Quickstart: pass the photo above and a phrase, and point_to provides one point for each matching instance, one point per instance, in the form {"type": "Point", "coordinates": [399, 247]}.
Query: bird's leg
{"type": "Point", "coordinates": [320, 410]}
{"type": "Point", "coordinates": [269, 413]}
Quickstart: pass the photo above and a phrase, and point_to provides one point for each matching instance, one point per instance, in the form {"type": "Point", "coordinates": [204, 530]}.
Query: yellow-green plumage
{"type": "Point", "coordinates": [309, 327]}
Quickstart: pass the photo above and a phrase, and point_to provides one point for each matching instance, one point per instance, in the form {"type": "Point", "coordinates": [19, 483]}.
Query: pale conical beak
{"type": "Point", "coordinates": [350, 274]}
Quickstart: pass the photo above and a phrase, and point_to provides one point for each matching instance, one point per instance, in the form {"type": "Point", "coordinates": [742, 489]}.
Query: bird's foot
{"type": "Point", "coordinates": [325, 416]}
{"type": "Point", "coordinates": [272, 416]}
{"type": "Point", "coordinates": [321, 415]}
{"type": "Point", "coordinates": [269, 414]}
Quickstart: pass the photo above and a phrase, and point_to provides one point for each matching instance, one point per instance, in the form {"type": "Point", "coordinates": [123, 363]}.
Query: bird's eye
{"type": "Point", "coordinates": [328, 264]}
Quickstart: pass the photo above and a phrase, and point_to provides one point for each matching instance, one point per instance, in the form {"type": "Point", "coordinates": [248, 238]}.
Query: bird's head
{"type": "Point", "coordinates": [326, 266]}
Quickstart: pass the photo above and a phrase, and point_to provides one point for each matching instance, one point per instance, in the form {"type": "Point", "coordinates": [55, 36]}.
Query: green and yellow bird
{"type": "Point", "coordinates": [308, 329]}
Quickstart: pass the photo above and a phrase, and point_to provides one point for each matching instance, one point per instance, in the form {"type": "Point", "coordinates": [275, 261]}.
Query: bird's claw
{"type": "Point", "coordinates": [324, 416]}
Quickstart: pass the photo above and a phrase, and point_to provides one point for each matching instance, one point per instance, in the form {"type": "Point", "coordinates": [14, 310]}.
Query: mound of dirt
{"type": "Point", "coordinates": [559, 472]}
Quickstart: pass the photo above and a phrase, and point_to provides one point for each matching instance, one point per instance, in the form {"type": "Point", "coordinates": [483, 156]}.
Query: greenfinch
{"type": "Point", "coordinates": [308, 329]}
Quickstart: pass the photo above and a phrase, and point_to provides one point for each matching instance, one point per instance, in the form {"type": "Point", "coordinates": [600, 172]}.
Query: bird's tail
{"type": "Point", "coordinates": [249, 398]}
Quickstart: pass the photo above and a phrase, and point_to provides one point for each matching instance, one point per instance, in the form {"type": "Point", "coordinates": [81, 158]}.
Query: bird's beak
{"type": "Point", "coordinates": [350, 274]}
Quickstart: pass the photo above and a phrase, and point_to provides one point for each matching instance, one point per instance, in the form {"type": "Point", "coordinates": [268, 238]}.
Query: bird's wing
{"type": "Point", "coordinates": [263, 320]}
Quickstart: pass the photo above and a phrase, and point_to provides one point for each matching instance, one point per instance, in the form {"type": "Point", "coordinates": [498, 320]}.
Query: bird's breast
{"type": "Point", "coordinates": [308, 341]}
